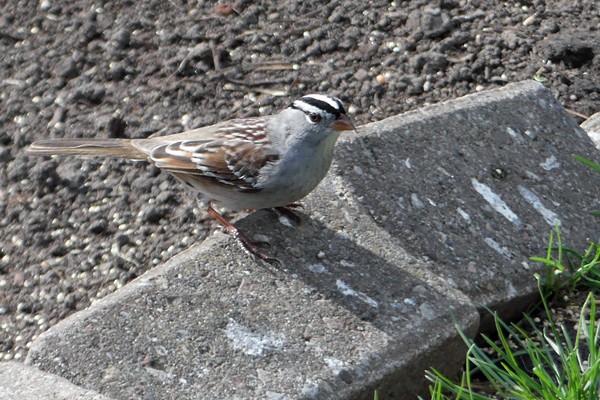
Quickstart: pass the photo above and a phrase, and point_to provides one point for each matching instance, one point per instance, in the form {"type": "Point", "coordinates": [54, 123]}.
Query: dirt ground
{"type": "Point", "coordinates": [73, 230]}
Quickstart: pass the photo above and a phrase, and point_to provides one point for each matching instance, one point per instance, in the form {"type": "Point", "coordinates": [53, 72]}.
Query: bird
{"type": "Point", "coordinates": [252, 163]}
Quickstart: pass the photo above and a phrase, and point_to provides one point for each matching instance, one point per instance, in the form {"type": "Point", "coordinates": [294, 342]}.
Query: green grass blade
{"type": "Point", "coordinates": [587, 162]}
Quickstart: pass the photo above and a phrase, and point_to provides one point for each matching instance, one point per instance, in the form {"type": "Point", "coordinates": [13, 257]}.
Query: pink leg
{"type": "Point", "coordinates": [248, 244]}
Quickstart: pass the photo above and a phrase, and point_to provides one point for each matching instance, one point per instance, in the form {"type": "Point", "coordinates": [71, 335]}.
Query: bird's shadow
{"type": "Point", "coordinates": [340, 269]}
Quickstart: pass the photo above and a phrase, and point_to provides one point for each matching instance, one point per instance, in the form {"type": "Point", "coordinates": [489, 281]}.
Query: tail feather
{"type": "Point", "coordinates": [121, 148]}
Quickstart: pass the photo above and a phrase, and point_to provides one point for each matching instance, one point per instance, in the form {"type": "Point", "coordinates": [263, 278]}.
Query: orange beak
{"type": "Point", "coordinates": [343, 123]}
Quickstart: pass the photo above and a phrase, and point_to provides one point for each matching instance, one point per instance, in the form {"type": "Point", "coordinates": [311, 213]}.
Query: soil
{"type": "Point", "coordinates": [73, 230]}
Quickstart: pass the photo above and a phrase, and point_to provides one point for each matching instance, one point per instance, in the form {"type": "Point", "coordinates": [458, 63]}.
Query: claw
{"type": "Point", "coordinates": [251, 247]}
{"type": "Point", "coordinates": [294, 205]}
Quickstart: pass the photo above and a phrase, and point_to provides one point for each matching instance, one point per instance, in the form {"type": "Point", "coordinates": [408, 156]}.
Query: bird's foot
{"type": "Point", "coordinates": [249, 245]}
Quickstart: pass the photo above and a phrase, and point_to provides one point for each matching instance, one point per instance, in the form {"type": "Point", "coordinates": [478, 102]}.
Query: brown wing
{"type": "Point", "coordinates": [232, 154]}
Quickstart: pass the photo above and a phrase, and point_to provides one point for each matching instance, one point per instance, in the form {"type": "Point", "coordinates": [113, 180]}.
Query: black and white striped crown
{"type": "Point", "coordinates": [319, 103]}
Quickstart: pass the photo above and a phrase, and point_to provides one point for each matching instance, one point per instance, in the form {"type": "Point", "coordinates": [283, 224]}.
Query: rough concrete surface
{"type": "Point", "coordinates": [424, 217]}
{"type": "Point", "coordinates": [23, 382]}
{"type": "Point", "coordinates": [213, 323]}
{"type": "Point", "coordinates": [476, 185]}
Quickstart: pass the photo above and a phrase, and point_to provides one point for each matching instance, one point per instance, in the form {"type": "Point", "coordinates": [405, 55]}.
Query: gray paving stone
{"type": "Point", "coordinates": [212, 323]}
{"type": "Point", "coordinates": [23, 382]}
{"type": "Point", "coordinates": [476, 184]}
{"type": "Point", "coordinates": [424, 216]}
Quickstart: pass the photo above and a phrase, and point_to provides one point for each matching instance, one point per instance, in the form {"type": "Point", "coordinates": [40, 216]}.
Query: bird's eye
{"type": "Point", "coordinates": [314, 118]}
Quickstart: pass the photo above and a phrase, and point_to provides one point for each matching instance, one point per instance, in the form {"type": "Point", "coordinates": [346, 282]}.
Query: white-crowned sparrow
{"type": "Point", "coordinates": [251, 163]}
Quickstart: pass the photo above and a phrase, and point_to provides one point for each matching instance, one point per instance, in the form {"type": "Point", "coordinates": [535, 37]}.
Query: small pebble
{"type": "Point", "coordinates": [45, 5]}
{"type": "Point", "coordinates": [530, 20]}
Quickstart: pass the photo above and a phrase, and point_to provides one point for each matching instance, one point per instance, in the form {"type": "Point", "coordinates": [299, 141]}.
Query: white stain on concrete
{"type": "Point", "coordinates": [496, 202]}
{"type": "Point", "coordinates": [336, 365]}
{"type": "Point", "coordinates": [512, 132]}
{"type": "Point", "coordinates": [550, 163]}
{"type": "Point", "coordinates": [269, 395]}
{"type": "Point", "coordinates": [502, 250]}
{"type": "Point", "coordinates": [463, 214]}
{"type": "Point", "coordinates": [416, 201]}
{"type": "Point", "coordinates": [252, 343]}
{"type": "Point", "coordinates": [317, 268]}
{"type": "Point", "coordinates": [549, 216]}
{"type": "Point", "coordinates": [310, 389]}
{"type": "Point", "coordinates": [346, 290]}
{"type": "Point", "coordinates": [531, 134]}
{"type": "Point", "coordinates": [445, 172]}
